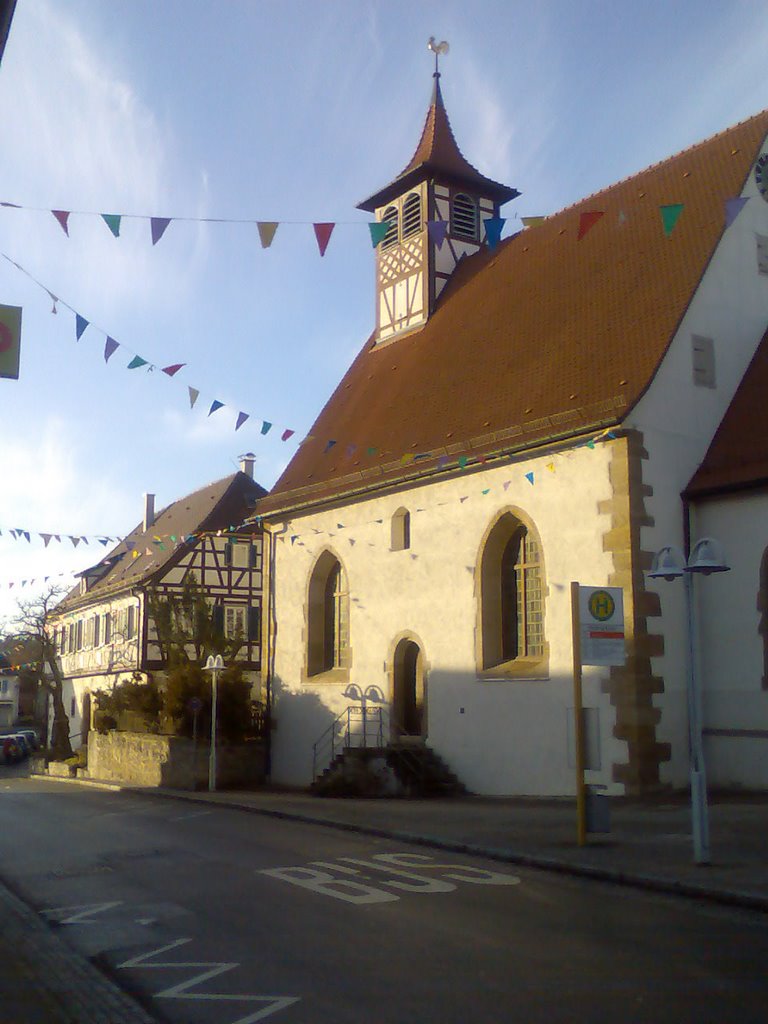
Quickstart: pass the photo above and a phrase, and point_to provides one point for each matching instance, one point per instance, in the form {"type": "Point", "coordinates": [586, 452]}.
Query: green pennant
{"type": "Point", "coordinates": [378, 230]}
{"type": "Point", "coordinates": [112, 220]}
{"type": "Point", "coordinates": [136, 362]}
{"type": "Point", "coordinates": [669, 216]}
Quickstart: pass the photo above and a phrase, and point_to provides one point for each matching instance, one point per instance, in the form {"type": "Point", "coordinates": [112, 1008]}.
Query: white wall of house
{"type": "Point", "coordinates": [678, 420]}
{"type": "Point", "coordinates": [501, 736]}
{"type": "Point", "coordinates": [731, 666]}
{"type": "Point", "coordinates": [9, 700]}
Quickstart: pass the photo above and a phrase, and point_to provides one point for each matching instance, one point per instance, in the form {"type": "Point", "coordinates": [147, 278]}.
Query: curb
{"type": "Point", "coordinates": [65, 981]}
{"type": "Point", "coordinates": [630, 879]}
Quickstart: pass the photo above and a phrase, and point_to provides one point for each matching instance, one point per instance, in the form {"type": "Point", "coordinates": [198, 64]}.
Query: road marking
{"type": "Point", "coordinates": [181, 991]}
{"type": "Point", "coordinates": [87, 910]}
{"type": "Point", "coordinates": [327, 882]}
{"type": "Point", "coordinates": [146, 920]}
{"type": "Point", "coordinates": [186, 817]}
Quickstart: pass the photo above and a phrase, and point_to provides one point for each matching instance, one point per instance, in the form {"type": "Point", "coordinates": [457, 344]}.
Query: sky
{"type": "Point", "coordinates": [221, 113]}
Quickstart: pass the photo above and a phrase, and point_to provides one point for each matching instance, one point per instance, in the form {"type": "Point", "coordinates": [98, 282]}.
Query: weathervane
{"type": "Point", "coordinates": [438, 49]}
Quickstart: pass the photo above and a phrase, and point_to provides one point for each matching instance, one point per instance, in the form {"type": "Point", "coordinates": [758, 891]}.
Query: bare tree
{"type": "Point", "coordinates": [32, 623]}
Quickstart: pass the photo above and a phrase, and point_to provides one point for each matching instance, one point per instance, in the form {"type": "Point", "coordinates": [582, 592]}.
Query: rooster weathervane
{"type": "Point", "coordinates": [439, 50]}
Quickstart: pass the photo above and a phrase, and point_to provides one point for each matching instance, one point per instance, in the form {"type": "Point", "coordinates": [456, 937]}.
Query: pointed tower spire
{"type": "Point", "coordinates": [435, 211]}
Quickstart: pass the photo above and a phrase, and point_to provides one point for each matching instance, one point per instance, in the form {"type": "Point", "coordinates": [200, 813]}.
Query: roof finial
{"type": "Point", "coordinates": [437, 49]}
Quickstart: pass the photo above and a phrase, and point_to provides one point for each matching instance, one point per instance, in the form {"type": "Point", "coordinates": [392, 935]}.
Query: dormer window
{"type": "Point", "coordinates": [391, 237]}
{"type": "Point", "coordinates": [412, 215]}
{"type": "Point", "coordinates": [464, 216]}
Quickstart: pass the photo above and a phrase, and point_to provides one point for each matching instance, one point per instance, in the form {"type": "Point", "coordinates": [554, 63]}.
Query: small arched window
{"type": "Point", "coordinates": [464, 216]}
{"type": "Point", "coordinates": [328, 617]}
{"type": "Point", "coordinates": [412, 215]}
{"type": "Point", "coordinates": [391, 236]}
{"type": "Point", "coordinates": [512, 595]}
{"type": "Point", "coordinates": [401, 530]}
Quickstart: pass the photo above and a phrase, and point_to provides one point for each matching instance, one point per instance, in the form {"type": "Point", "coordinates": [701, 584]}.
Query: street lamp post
{"type": "Point", "coordinates": [669, 564]}
{"type": "Point", "coordinates": [214, 665]}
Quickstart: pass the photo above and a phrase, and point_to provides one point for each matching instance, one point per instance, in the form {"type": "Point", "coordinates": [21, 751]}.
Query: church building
{"type": "Point", "coordinates": [527, 413]}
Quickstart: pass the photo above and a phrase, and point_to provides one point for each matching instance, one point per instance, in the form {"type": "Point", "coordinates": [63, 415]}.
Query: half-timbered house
{"type": "Point", "coordinates": [103, 629]}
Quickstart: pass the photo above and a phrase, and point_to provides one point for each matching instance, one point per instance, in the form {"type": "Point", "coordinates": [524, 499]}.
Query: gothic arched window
{"type": "Point", "coordinates": [328, 617]}
{"type": "Point", "coordinates": [512, 596]}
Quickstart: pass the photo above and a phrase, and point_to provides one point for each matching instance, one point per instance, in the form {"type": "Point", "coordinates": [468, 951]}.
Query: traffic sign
{"type": "Point", "coordinates": [601, 620]}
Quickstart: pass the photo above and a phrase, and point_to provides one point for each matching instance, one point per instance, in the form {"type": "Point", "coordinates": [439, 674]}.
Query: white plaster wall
{"type": "Point", "coordinates": [678, 421]}
{"type": "Point", "coordinates": [731, 648]}
{"type": "Point", "coordinates": [511, 736]}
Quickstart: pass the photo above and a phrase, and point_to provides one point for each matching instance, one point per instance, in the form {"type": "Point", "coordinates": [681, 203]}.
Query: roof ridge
{"type": "Point", "coordinates": [658, 163]}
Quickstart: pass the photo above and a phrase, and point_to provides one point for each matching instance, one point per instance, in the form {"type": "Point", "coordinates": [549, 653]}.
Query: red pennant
{"type": "Point", "coordinates": [286, 434]}
{"type": "Point", "coordinates": [587, 221]}
{"type": "Point", "coordinates": [170, 370]}
{"type": "Point", "coordinates": [323, 236]}
{"type": "Point", "coordinates": [62, 216]}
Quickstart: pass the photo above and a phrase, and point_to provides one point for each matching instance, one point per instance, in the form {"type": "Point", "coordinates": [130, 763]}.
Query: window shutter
{"type": "Point", "coordinates": [254, 622]}
{"type": "Point", "coordinates": [217, 618]}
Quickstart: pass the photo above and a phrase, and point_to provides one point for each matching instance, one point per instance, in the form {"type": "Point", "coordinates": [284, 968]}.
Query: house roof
{"type": "Point", "coordinates": [143, 555]}
{"type": "Point", "coordinates": [438, 155]}
{"type": "Point", "coordinates": [547, 337]}
{"type": "Point", "coordinates": [738, 456]}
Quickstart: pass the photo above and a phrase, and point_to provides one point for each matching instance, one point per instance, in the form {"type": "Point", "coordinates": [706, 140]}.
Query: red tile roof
{"type": "Point", "coordinates": [547, 337]}
{"type": "Point", "coordinates": [438, 155]}
{"type": "Point", "coordinates": [225, 503]}
{"type": "Point", "coordinates": [738, 455]}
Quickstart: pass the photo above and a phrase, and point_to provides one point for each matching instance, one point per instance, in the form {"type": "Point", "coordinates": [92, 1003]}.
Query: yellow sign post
{"type": "Point", "coordinates": [597, 624]}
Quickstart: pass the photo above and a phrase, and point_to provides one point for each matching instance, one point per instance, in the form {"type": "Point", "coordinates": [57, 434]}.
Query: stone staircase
{"type": "Point", "coordinates": [404, 768]}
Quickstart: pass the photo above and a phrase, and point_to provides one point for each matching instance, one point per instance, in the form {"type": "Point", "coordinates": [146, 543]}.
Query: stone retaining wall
{"type": "Point", "coordinates": [149, 760]}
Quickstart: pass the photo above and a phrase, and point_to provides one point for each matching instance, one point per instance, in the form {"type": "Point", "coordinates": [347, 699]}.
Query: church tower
{"type": "Point", "coordinates": [435, 211]}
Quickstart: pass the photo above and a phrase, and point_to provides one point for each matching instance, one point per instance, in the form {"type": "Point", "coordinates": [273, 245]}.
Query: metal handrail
{"type": "Point", "coordinates": [340, 734]}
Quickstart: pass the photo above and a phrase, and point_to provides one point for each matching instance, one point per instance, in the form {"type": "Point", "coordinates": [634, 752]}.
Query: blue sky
{"type": "Point", "coordinates": [290, 111]}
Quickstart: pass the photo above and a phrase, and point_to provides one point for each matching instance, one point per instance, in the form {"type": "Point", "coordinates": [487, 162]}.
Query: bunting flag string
{"type": "Point", "coordinates": [20, 533]}
{"type": "Point", "coordinates": [159, 225]}
{"type": "Point", "coordinates": [530, 476]}
{"type": "Point", "coordinates": [161, 541]}
{"type": "Point", "coordinates": [136, 362]}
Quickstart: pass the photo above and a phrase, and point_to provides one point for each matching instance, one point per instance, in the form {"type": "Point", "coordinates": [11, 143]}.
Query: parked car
{"type": "Point", "coordinates": [31, 737]}
{"type": "Point", "coordinates": [10, 749]}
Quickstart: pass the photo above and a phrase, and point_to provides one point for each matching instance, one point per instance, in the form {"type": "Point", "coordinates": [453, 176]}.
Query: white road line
{"type": "Point", "coordinates": [181, 991]}
{"type": "Point", "coordinates": [186, 817]}
{"type": "Point", "coordinates": [86, 910]}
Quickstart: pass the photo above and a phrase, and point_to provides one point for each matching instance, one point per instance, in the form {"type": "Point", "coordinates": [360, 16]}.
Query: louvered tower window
{"type": "Point", "coordinates": [390, 238]}
{"type": "Point", "coordinates": [464, 216]}
{"type": "Point", "coordinates": [412, 215]}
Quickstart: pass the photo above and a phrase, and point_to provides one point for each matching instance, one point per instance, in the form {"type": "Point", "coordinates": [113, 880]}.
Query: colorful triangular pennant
{"type": "Point", "coordinates": [669, 216]}
{"type": "Point", "coordinates": [62, 216]}
{"type": "Point", "coordinates": [158, 226]}
{"type": "Point", "coordinates": [80, 324]}
{"type": "Point", "coordinates": [586, 221]}
{"type": "Point", "coordinates": [267, 229]}
{"type": "Point", "coordinates": [110, 347]}
{"type": "Point", "coordinates": [323, 236]}
{"type": "Point", "coordinates": [241, 418]}
{"type": "Point", "coordinates": [112, 220]}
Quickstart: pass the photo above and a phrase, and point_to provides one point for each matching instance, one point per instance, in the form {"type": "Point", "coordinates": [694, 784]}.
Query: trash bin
{"type": "Point", "coordinates": [598, 810]}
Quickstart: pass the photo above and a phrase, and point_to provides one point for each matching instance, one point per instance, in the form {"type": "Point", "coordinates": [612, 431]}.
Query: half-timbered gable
{"type": "Point", "coordinates": [103, 629]}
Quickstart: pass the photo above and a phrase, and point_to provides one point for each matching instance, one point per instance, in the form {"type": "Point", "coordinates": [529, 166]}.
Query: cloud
{"type": "Point", "coordinates": [77, 136]}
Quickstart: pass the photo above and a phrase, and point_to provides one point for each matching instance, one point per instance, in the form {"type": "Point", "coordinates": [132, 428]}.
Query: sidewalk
{"type": "Point", "coordinates": [42, 981]}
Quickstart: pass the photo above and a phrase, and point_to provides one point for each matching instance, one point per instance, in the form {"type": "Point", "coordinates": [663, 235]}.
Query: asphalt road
{"type": "Point", "coordinates": [213, 916]}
